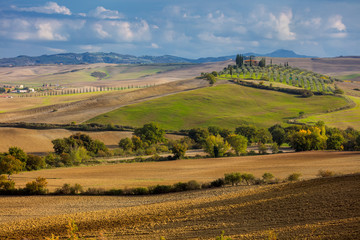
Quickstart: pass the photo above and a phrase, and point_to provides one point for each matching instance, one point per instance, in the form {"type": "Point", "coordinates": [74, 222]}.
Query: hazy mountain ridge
{"type": "Point", "coordinates": [100, 57]}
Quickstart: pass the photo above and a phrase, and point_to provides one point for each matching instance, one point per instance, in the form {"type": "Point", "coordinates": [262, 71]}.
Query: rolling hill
{"type": "Point", "coordinates": [225, 105]}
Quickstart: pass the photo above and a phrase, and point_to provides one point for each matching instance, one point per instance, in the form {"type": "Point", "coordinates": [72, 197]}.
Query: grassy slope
{"type": "Point", "coordinates": [224, 105]}
{"type": "Point", "coordinates": [341, 119]}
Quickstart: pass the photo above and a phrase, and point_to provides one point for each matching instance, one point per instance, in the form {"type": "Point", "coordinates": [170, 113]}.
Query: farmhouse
{"type": "Point", "coordinates": [253, 62]}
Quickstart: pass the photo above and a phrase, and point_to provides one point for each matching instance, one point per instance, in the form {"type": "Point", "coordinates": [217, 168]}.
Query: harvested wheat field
{"type": "Point", "coordinates": [202, 170]}
{"type": "Point", "coordinates": [326, 208]}
{"type": "Point", "coordinates": [39, 141]}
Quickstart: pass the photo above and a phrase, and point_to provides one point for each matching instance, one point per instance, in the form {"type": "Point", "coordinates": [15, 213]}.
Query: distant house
{"type": "Point", "coordinates": [19, 91]}
{"type": "Point", "coordinates": [253, 62]}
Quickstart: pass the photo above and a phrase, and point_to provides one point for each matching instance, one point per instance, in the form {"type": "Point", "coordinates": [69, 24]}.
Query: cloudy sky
{"type": "Point", "coordinates": [185, 28]}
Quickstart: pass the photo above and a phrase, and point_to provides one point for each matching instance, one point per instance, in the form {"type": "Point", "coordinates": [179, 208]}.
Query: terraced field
{"type": "Point", "coordinates": [326, 208]}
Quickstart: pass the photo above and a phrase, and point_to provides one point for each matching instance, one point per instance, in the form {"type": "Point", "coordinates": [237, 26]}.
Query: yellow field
{"type": "Point", "coordinates": [202, 170]}
{"type": "Point", "coordinates": [326, 208]}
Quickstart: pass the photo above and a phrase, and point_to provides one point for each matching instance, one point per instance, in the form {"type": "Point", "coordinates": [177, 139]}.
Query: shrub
{"type": "Point", "coordinates": [140, 191]}
{"type": "Point", "coordinates": [262, 148]}
{"type": "Point", "coordinates": [37, 187]}
{"type": "Point", "coordinates": [233, 178]}
{"type": "Point", "coordinates": [180, 187]}
{"type": "Point", "coordinates": [34, 162]}
{"type": "Point", "coordinates": [192, 185]}
{"type": "Point", "coordinates": [218, 182]}
{"type": "Point", "coordinates": [267, 177]}
{"type": "Point", "coordinates": [65, 189]}
{"type": "Point", "coordinates": [294, 177]}
{"type": "Point", "coordinates": [95, 191]}
{"type": "Point", "coordinates": [115, 192]}
{"type": "Point", "coordinates": [326, 173]}
{"type": "Point", "coordinates": [6, 184]}
{"type": "Point", "coordinates": [248, 177]}
{"type": "Point", "coordinates": [159, 189]}
{"type": "Point", "coordinates": [275, 148]}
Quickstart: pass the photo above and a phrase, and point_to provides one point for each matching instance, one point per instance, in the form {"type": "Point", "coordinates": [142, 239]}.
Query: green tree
{"type": "Point", "coordinates": [10, 165]}
{"type": "Point", "coordinates": [137, 143]}
{"type": "Point", "coordinates": [335, 141]}
{"type": "Point", "coordinates": [238, 143]}
{"type": "Point", "coordinates": [306, 140]}
{"type": "Point", "coordinates": [151, 133]}
{"type": "Point", "coordinates": [35, 162]}
{"type": "Point", "coordinates": [179, 149]}
{"type": "Point", "coordinates": [199, 135]}
{"type": "Point", "coordinates": [18, 153]}
{"type": "Point", "coordinates": [223, 132]}
{"type": "Point", "coordinates": [211, 78]}
{"type": "Point", "coordinates": [247, 131]}
{"type": "Point", "coordinates": [263, 136]}
{"type": "Point", "coordinates": [262, 62]}
{"type": "Point", "coordinates": [216, 146]}
{"type": "Point", "coordinates": [278, 135]}
{"type": "Point", "coordinates": [126, 144]}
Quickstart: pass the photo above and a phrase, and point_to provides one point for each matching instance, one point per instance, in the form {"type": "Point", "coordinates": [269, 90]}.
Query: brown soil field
{"type": "Point", "coordinates": [39, 141]}
{"type": "Point", "coordinates": [202, 170]}
{"type": "Point", "coordinates": [324, 208]}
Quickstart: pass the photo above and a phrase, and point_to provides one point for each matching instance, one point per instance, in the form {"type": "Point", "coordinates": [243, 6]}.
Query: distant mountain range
{"type": "Point", "coordinates": [100, 57]}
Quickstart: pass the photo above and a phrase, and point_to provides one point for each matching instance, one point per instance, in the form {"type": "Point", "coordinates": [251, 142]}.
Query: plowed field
{"type": "Point", "coordinates": [202, 170]}
{"type": "Point", "coordinates": [326, 208]}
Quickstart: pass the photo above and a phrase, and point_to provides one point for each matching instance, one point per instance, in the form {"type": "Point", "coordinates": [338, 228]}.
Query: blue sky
{"type": "Point", "coordinates": [185, 28]}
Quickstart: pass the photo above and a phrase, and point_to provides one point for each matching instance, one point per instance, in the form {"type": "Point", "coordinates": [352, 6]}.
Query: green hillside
{"type": "Point", "coordinates": [341, 119]}
{"type": "Point", "coordinates": [226, 105]}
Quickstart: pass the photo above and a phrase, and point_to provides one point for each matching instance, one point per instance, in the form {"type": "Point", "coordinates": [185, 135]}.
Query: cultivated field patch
{"type": "Point", "coordinates": [318, 208]}
{"type": "Point", "coordinates": [202, 170]}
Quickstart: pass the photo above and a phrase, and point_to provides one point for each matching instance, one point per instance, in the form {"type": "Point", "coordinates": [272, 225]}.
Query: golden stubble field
{"type": "Point", "coordinates": [202, 170]}
{"type": "Point", "coordinates": [326, 208]}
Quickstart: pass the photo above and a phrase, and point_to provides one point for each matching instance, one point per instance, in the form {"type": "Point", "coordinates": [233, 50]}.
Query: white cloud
{"type": "Point", "coordinates": [312, 23]}
{"type": "Point", "coordinates": [48, 31]}
{"type": "Point", "coordinates": [123, 31]}
{"type": "Point", "coordinates": [48, 8]}
{"type": "Point", "coordinates": [103, 13]}
{"type": "Point", "coordinates": [39, 29]}
{"type": "Point", "coordinates": [281, 25]}
{"type": "Point", "coordinates": [336, 23]}
{"type": "Point", "coordinates": [90, 48]}
{"type": "Point", "coordinates": [154, 45]}
{"type": "Point", "coordinates": [100, 31]}
{"type": "Point", "coordinates": [210, 37]}
{"type": "Point", "coordinates": [55, 50]}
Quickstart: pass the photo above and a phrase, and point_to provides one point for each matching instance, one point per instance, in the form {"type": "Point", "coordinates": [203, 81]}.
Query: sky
{"type": "Point", "coordinates": [184, 28]}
